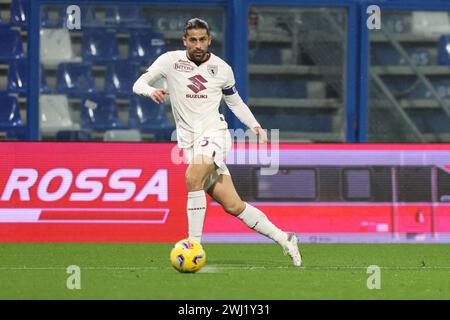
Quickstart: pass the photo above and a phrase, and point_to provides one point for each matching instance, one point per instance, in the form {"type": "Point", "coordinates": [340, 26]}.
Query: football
{"type": "Point", "coordinates": [187, 256]}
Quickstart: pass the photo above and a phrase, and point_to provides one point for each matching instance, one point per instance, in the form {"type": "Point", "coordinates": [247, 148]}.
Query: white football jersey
{"type": "Point", "coordinates": [195, 92]}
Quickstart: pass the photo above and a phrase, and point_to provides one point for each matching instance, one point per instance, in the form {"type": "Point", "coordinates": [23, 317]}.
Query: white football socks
{"type": "Point", "coordinates": [196, 209]}
{"type": "Point", "coordinates": [257, 220]}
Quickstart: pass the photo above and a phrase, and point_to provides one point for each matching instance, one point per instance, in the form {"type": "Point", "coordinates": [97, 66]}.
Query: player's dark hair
{"type": "Point", "coordinates": [196, 23]}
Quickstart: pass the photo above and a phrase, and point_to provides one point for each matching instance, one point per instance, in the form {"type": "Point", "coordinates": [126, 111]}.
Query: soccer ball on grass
{"type": "Point", "coordinates": [187, 256]}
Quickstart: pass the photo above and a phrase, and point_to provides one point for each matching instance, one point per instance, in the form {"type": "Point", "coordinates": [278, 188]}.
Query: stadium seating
{"type": "Point", "coordinates": [123, 135]}
{"type": "Point", "coordinates": [295, 120]}
{"type": "Point", "coordinates": [73, 135]}
{"type": "Point", "coordinates": [53, 16]}
{"type": "Point", "coordinates": [12, 47]}
{"type": "Point", "coordinates": [9, 112]}
{"type": "Point", "coordinates": [444, 50]}
{"type": "Point", "coordinates": [148, 116]}
{"type": "Point", "coordinates": [55, 114]}
{"type": "Point", "coordinates": [120, 77]}
{"type": "Point", "coordinates": [99, 113]}
{"type": "Point", "coordinates": [88, 17]}
{"type": "Point", "coordinates": [75, 79]}
{"type": "Point", "coordinates": [405, 87]}
{"type": "Point", "coordinates": [17, 78]}
{"type": "Point", "coordinates": [56, 16]}
{"type": "Point", "coordinates": [265, 56]}
{"type": "Point", "coordinates": [56, 47]}
{"type": "Point", "coordinates": [387, 55]}
{"type": "Point", "coordinates": [99, 45]}
{"type": "Point", "coordinates": [124, 17]}
{"type": "Point", "coordinates": [19, 13]}
{"type": "Point", "coordinates": [410, 88]}
{"type": "Point", "coordinates": [442, 87]}
{"type": "Point", "coordinates": [430, 121]}
{"type": "Point", "coordinates": [282, 88]}
{"type": "Point", "coordinates": [146, 46]}
{"type": "Point", "coordinates": [428, 22]}
{"type": "Point", "coordinates": [396, 23]}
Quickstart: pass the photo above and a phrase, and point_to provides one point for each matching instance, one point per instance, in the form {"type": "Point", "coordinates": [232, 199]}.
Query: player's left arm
{"type": "Point", "coordinates": [241, 110]}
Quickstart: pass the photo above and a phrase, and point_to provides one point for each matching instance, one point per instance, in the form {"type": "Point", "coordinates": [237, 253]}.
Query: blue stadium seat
{"type": "Point", "coordinates": [146, 115]}
{"type": "Point", "coordinates": [444, 50]}
{"type": "Point", "coordinates": [120, 77]}
{"type": "Point", "coordinates": [430, 120]}
{"type": "Point", "coordinates": [75, 79]}
{"type": "Point", "coordinates": [99, 113]}
{"type": "Point", "coordinates": [410, 88]}
{"type": "Point", "coordinates": [53, 16]}
{"type": "Point", "coordinates": [296, 119]}
{"type": "Point", "coordinates": [11, 47]}
{"type": "Point", "coordinates": [146, 46]}
{"type": "Point", "coordinates": [99, 45]}
{"type": "Point", "coordinates": [274, 88]}
{"type": "Point", "coordinates": [124, 17]}
{"type": "Point", "coordinates": [386, 55]}
{"type": "Point", "coordinates": [19, 13]}
{"type": "Point", "coordinates": [88, 17]}
{"type": "Point", "coordinates": [19, 133]}
{"type": "Point", "coordinates": [395, 22]}
{"type": "Point", "coordinates": [405, 87]}
{"type": "Point", "coordinates": [442, 87]}
{"type": "Point", "coordinates": [9, 112]}
{"type": "Point", "coordinates": [265, 56]}
{"type": "Point", "coordinates": [17, 78]}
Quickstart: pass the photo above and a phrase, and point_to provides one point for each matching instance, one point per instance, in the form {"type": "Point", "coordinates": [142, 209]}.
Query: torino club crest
{"type": "Point", "coordinates": [212, 69]}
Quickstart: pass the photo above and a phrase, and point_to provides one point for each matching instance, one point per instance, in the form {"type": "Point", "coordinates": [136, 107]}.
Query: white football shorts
{"type": "Point", "coordinates": [215, 145]}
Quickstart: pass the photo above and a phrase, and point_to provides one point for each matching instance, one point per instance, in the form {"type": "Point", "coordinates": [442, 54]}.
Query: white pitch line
{"type": "Point", "coordinates": [83, 268]}
{"type": "Point", "coordinates": [218, 268]}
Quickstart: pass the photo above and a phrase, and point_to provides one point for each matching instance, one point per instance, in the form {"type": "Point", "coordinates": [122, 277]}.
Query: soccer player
{"type": "Point", "coordinates": [197, 80]}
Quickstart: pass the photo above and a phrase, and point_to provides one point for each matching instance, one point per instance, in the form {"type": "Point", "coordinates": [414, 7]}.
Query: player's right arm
{"type": "Point", "coordinates": [143, 85]}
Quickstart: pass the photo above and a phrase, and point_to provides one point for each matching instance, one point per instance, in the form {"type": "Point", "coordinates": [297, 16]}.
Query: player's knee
{"type": "Point", "coordinates": [234, 208]}
{"type": "Point", "coordinates": [193, 182]}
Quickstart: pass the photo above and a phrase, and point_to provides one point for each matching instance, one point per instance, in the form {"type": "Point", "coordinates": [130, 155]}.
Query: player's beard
{"type": "Point", "coordinates": [198, 56]}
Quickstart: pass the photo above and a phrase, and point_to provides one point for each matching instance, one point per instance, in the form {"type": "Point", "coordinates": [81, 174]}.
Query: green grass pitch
{"type": "Point", "coordinates": [232, 271]}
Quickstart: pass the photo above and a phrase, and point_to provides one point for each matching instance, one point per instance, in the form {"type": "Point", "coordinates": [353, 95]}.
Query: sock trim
{"type": "Point", "coordinates": [196, 194]}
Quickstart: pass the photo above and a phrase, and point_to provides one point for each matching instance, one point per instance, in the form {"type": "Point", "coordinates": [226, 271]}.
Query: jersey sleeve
{"type": "Point", "coordinates": [159, 69]}
{"type": "Point", "coordinates": [228, 87]}
{"type": "Point", "coordinates": [161, 66]}
{"type": "Point", "coordinates": [235, 103]}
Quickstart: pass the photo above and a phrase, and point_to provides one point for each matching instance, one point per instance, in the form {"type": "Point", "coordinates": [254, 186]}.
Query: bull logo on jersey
{"type": "Point", "coordinates": [197, 83]}
{"type": "Point", "coordinates": [212, 69]}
